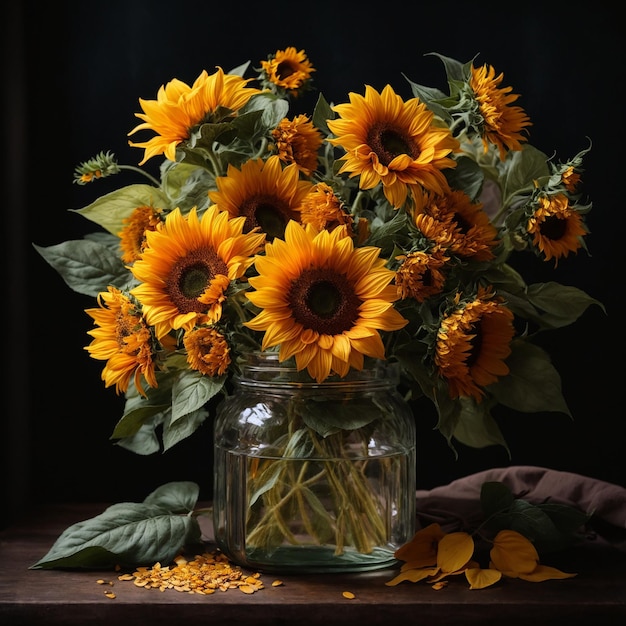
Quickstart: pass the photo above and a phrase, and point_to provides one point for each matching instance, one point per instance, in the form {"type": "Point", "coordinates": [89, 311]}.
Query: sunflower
{"type": "Point", "coordinates": [503, 124]}
{"type": "Point", "coordinates": [323, 300]}
{"type": "Point", "coordinates": [570, 178]}
{"type": "Point", "coordinates": [469, 231]}
{"type": "Point", "coordinates": [420, 275]}
{"type": "Point", "coordinates": [187, 266]}
{"type": "Point", "coordinates": [324, 210]}
{"type": "Point", "coordinates": [394, 142]}
{"type": "Point", "coordinates": [133, 235]}
{"type": "Point", "coordinates": [264, 193]}
{"type": "Point", "coordinates": [555, 227]}
{"type": "Point", "coordinates": [207, 351]}
{"type": "Point", "coordinates": [298, 141]}
{"type": "Point", "coordinates": [123, 340]}
{"type": "Point", "coordinates": [287, 70]}
{"type": "Point", "coordinates": [473, 342]}
{"type": "Point", "coordinates": [179, 108]}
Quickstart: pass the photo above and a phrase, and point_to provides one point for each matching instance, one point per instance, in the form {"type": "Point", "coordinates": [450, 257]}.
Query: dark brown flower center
{"type": "Point", "coordinates": [285, 69]}
{"type": "Point", "coordinates": [191, 275]}
{"type": "Point", "coordinates": [270, 213]}
{"type": "Point", "coordinates": [476, 342]}
{"type": "Point", "coordinates": [553, 228]}
{"type": "Point", "coordinates": [388, 143]}
{"type": "Point", "coordinates": [324, 301]}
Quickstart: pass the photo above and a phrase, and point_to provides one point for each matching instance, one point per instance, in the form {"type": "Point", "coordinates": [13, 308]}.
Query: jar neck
{"type": "Point", "coordinates": [264, 368]}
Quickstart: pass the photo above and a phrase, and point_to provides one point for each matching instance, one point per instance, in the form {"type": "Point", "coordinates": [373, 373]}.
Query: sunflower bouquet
{"type": "Point", "coordinates": [380, 228]}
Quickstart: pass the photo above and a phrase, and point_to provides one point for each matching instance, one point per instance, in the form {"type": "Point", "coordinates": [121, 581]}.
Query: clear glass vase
{"type": "Point", "coordinates": [313, 477]}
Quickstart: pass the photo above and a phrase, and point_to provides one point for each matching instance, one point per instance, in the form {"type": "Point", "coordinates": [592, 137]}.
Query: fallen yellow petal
{"type": "Point", "coordinates": [480, 578]}
{"type": "Point", "coordinates": [543, 572]}
{"type": "Point", "coordinates": [421, 550]}
{"type": "Point", "coordinates": [512, 552]}
{"type": "Point", "coordinates": [348, 595]}
{"type": "Point", "coordinates": [413, 575]}
{"type": "Point", "coordinates": [454, 551]}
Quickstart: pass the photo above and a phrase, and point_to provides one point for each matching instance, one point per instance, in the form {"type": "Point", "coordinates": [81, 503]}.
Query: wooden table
{"type": "Point", "coordinates": [595, 597]}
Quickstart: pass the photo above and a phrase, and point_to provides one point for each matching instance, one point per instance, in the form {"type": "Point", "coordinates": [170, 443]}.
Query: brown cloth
{"type": "Point", "coordinates": [457, 505]}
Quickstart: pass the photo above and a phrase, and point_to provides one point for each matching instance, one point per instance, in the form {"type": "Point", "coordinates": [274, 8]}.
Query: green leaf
{"type": "Point", "coordinates": [476, 427]}
{"type": "Point", "coordinates": [567, 519]}
{"type": "Point", "coordinates": [130, 423]}
{"type": "Point", "coordinates": [110, 210]}
{"type": "Point", "coordinates": [266, 481]}
{"type": "Point", "coordinates": [327, 416]}
{"type": "Point", "coordinates": [495, 497]}
{"type": "Point", "coordinates": [522, 167]}
{"type": "Point", "coordinates": [126, 534]}
{"type": "Point", "coordinates": [86, 266]}
{"type": "Point", "coordinates": [321, 113]}
{"type": "Point", "coordinates": [530, 521]}
{"type": "Point", "coordinates": [187, 185]}
{"type": "Point", "coordinates": [272, 109]}
{"type": "Point", "coordinates": [145, 440]}
{"type": "Point", "coordinates": [175, 431]}
{"type": "Point", "coordinates": [192, 390]}
{"type": "Point", "coordinates": [562, 304]}
{"type": "Point", "coordinates": [533, 384]}
{"type": "Point", "coordinates": [468, 176]}
{"type": "Point", "coordinates": [176, 497]}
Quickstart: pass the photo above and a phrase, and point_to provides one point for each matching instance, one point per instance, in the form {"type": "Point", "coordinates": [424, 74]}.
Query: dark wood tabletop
{"type": "Point", "coordinates": [596, 596]}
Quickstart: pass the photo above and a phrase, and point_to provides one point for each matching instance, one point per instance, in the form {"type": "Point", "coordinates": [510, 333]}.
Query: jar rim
{"type": "Point", "coordinates": [265, 367]}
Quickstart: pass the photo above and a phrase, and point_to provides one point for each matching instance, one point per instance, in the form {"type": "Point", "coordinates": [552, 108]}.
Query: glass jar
{"type": "Point", "coordinates": [313, 477]}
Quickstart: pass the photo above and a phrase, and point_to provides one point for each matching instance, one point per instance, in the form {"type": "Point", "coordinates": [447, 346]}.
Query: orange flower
{"type": "Point", "coordinates": [393, 142]}
{"type": "Point", "coordinates": [473, 343]}
{"type": "Point", "coordinates": [557, 229]}
{"type": "Point", "coordinates": [298, 141]}
{"type": "Point", "coordinates": [503, 124]}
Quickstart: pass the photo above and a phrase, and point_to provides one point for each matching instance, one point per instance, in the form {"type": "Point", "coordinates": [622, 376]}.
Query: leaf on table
{"type": "Point", "coordinates": [129, 533]}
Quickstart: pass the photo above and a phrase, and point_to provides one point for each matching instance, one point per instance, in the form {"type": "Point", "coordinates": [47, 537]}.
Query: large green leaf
{"type": "Point", "coordinates": [128, 534]}
{"type": "Point", "coordinates": [476, 427]}
{"type": "Point", "coordinates": [192, 390]}
{"type": "Point", "coordinates": [145, 441]}
{"type": "Point", "coordinates": [327, 416]}
{"type": "Point", "coordinates": [175, 431]}
{"type": "Point", "coordinates": [110, 210]}
{"type": "Point", "coordinates": [562, 304]}
{"type": "Point", "coordinates": [177, 497]}
{"type": "Point", "coordinates": [533, 383]}
{"type": "Point", "coordinates": [88, 267]}
{"type": "Point", "coordinates": [523, 167]}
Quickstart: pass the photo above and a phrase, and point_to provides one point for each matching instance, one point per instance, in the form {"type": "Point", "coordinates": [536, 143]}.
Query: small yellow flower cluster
{"type": "Point", "coordinates": [433, 555]}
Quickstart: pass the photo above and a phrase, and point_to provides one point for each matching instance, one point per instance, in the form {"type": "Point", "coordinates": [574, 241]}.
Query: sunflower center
{"type": "Point", "coordinates": [388, 143]}
{"type": "Point", "coordinates": [463, 224]}
{"type": "Point", "coordinates": [324, 301]}
{"type": "Point", "coordinates": [269, 213]}
{"type": "Point", "coordinates": [284, 69]}
{"type": "Point", "coordinates": [476, 343]}
{"type": "Point", "coordinates": [553, 228]}
{"type": "Point", "coordinates": [124, 327]}
{"type": "Point", "coordinates": [190, 277]}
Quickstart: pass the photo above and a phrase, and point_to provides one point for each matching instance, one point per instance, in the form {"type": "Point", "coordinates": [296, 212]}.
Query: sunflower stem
{"type": "Point", "coordinates": [140, 171]}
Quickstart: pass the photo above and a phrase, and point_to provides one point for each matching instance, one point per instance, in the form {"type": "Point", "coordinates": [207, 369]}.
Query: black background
{"type": "Point", "coordinates": [74, 72]}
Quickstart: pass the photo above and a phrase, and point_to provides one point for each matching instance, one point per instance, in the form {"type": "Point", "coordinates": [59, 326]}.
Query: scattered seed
{"type": "Point", "coordinates": [100, 581]}
{"type": "Point", "coordinates": [204, 574]}
{"type": "Point", "coordinates": [349, 595]}
{"type": "Point", "coordinates": [277, 583]}
{"type": "Point", "coordinates": [109, 594]}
